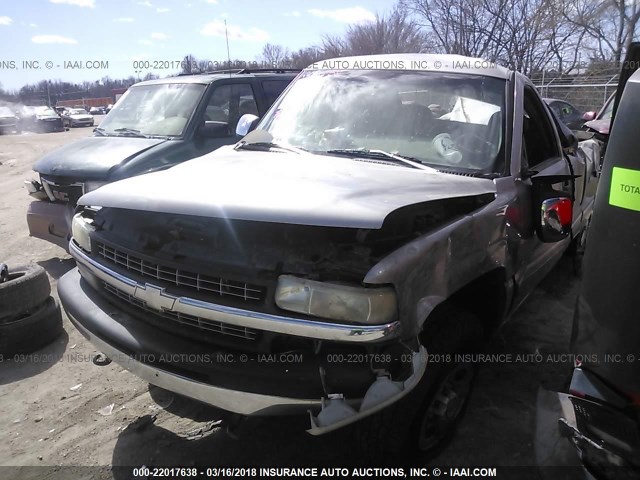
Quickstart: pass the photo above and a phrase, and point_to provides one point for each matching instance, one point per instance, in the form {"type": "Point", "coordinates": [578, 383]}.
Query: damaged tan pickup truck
{"type": "Point", "coordinates": [386, 215]}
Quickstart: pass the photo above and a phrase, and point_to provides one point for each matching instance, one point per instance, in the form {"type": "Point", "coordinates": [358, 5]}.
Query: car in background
{"type": "Point", "coordinates": [600, 411]}
{"type": "Point", "coordinates": [155, 125]}
{"type": "Point", "coordinates": [97, 111]}
{"type": "Point", "coordinates": [600, 122]}
{"type": "Point", "coordinates": [108, 108]}
{"type": "Point", "coordinates": [567, 113]}
{"type": "Point", "coordinates": [76, 117]}
{"type": "Point", "coordinates": [8, 121]}
{"type": "Point", "coordinates": [39, 119]}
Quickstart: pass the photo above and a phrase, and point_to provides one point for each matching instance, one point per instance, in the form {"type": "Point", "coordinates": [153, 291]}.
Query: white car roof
{"type": "Point", "coordinates": [417, 62]}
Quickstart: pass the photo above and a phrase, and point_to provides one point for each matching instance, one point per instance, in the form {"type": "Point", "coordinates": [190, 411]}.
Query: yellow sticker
{"type": "Point", "coordinates": [625, 188]}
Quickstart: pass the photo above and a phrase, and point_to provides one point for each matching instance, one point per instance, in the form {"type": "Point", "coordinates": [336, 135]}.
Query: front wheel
{"type": "Point", "coordinates": [424, 421]}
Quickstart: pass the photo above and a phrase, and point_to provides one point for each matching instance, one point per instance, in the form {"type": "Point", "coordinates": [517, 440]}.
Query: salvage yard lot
{"type": "Point", "coordinates": [55, 405]}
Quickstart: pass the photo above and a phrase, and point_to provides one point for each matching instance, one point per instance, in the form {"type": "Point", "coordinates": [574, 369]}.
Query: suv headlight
{"type": "Point", "coordinates": [81, 227]}
{"type": "Point", "coordinates": [372, 306]}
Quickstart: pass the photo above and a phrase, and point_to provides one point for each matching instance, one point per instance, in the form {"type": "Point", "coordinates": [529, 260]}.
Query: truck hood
{"type": "Point", "coordinates": [93, 157]}
{"type": "Point", "coordinates": [600, 126]}
{"type": "Point", "coordinates": [302, 189]}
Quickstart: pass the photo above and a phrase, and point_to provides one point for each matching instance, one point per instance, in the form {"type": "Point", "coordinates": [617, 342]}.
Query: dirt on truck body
{"type": "Point", "coordinates": [358, 229]}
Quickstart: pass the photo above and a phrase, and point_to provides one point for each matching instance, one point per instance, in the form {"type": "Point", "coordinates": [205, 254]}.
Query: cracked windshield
{"type": "Point", "coordinates": [439, 120]}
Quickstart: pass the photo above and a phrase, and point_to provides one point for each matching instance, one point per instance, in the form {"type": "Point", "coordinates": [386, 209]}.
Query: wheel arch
{"type": "Point", "coordinates": [488, 297]}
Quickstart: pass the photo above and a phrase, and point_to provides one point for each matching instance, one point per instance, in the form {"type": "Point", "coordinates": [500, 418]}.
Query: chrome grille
{"type": "Point", "coordinates": [185, 319]}
{"type": "Point", "coordinates": [182, 278]}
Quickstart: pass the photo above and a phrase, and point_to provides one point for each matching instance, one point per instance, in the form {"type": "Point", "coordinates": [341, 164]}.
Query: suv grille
{"type": "Point", "coordinates": [183, 278]}
{"type": "Point", "coordinates": [62, 193]}
{"type": "Point", "coordinates": [197, 322]}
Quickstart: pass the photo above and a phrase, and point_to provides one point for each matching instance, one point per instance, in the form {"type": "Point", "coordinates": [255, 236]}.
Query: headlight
{"type": "Point", "coordinates": [92, 185]}
{"type": "Point", "coordinates": [337, 302]}
{"type": "Point", "coordinates": [81, 227]}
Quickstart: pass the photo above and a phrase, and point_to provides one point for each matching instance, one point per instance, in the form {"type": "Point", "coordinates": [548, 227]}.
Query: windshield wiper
{"type": "Point", "coordinates": [266, 146]}
{"type": "Point", "coordinates": [100, 131]}
{"type": "Point", "coordinates": [380, 154]}
{"type": "Point", "coordinates": [130, 132]}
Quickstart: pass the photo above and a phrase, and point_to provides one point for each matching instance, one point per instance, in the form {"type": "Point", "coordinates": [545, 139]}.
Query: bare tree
{"type": "Point", "coordinates": [395, 33]}
{"type": "Point", "coordinates": [189, 65]}
{"type": "Point", "coordinates": [526, 35]}
{"type": "Point", "coordinates": [305, 57]}
{"type": "Point", "coordinates": [611, 25]}
{"type": "Point", "coordinates": [275, 55]}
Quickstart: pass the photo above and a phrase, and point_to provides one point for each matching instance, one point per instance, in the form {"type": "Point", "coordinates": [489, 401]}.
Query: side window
{"type": "Point", "coordinates": [229, 102]}
{"type": "Point", "coordinates": [218, 106]}
{"type": "Point", "coordinates": [539, 140]}
{"type": "Point", "coordinates": [272, 89]}
{"type": "Point", "coordinates": [568, 109]}
{"type": "Point", "coordinates": [565, 111]}
{"type": "Point", "coordinates": [556, 107]}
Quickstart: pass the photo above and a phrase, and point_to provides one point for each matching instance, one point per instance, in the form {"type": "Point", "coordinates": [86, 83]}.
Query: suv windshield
{"type": "Point", "coordinates": [444, 120]}
{"type": "Point", "coordinates": [162, 109]}
{"type": "Point", "coordinates": [44, 111]}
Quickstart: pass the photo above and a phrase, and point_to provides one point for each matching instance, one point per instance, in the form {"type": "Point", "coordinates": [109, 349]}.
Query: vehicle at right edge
{"type": "Point", "coordinates": [601, 410]}
{"type": "Point", "coordinates": [380, 220]}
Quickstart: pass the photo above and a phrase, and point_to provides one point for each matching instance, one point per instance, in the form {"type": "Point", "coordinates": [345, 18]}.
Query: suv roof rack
{"type": "Point", "coordinates": [246, 71]}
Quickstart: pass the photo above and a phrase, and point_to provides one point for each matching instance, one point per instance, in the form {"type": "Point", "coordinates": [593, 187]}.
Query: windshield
{"type": "Point", "coordinates": [443, 120]}
{"type": "Point", "coordinates": [162, 109]}
{"type": "Point", "coordinates": [45, 111]}
{"type": "Point", "coordinates": [77, 112]}
{"type": "Point", "coordinates": [608, 109]}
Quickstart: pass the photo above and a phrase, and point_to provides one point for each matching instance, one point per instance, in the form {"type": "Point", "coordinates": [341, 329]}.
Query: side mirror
{"type": "Point", "coordinates": [246, 124]}
{"type": "Point", "coordinates": [588, 116]}
{"type": "Point", "coordinates": [553, 209]}
{"type": "Point", "coordinates": [213, 129]}
{"type": "Point", "coordinates": [556, 215]}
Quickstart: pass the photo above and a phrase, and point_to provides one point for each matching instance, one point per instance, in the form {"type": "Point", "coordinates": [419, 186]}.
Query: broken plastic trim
{"type": "Point", "coordinates": [337, 412]}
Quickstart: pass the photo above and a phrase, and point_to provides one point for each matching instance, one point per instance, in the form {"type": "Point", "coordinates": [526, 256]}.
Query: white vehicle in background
{"type": "Point", "coordinates": [75, 117]}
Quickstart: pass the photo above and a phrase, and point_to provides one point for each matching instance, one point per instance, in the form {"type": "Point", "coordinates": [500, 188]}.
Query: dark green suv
{"type": "Point", "coordinates": [156, 124]}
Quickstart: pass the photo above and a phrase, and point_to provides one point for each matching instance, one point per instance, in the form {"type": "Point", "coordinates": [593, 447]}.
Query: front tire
{"type": "Point", "coordinates": [424, 421]}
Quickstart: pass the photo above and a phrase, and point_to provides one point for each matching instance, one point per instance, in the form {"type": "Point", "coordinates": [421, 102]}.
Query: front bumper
{"type": "Point", "coordinates": [48, 221]}
{"type": "Point", "coordinates": [9, 127]}
{"type": "Point", "coordinates": [603, 427]}
{"type": "Point", "coordinates": [50, 126]}
{"type": "Point", "coordinates": [138, 348]}
{"type": "Point", "coordinates": [82, 123]}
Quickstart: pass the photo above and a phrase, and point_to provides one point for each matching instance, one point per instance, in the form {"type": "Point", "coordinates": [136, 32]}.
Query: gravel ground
{"type": "Point", "coordinates": [52, 408]}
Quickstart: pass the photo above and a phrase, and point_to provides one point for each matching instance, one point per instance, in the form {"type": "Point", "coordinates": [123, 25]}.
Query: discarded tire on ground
{"type": "Point", "coordinates": [26, 333]}
{"type": "Point", "coordinates": [25, 289]}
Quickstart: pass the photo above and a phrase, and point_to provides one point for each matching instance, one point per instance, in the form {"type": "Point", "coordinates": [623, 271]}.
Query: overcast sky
{"type": "Point", "coordinates": [59, 33]}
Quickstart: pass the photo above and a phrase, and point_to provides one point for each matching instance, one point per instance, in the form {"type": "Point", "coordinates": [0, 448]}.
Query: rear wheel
{"type": "Point", "coordinates": [424, 421]}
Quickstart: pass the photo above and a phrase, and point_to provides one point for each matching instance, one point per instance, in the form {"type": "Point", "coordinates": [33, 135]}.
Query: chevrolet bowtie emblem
{"type": "Point", "coordinates": [155, 297]}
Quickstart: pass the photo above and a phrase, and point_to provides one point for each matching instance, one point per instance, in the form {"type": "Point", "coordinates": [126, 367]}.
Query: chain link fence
{"type": "Point", "coordinates": [586, 92]}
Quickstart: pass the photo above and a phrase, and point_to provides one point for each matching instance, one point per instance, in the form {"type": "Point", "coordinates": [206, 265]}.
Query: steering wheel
{"type": "Point", "coordinates": [477, 152]}
{"type": "Point", "coordinates": [470, 143]}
